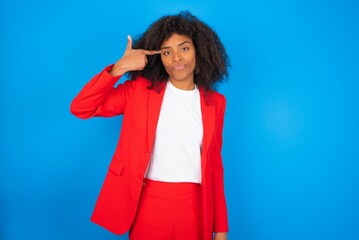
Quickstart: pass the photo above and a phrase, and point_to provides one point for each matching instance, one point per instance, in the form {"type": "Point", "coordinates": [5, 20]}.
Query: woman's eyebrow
{"type": "Point", "coordinates": [180, 44]}
{"type": "Point", "coordinates": [183, 43]}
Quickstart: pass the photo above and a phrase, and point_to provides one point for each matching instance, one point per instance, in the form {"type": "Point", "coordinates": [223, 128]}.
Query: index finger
{"type": "Point", "coordinates": [151, 52]}
{"type": "Point", "coordinates": [129, 42]}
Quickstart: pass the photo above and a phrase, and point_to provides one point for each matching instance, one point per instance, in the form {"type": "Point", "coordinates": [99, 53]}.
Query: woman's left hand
{"type": "Point", "coordinates": [220, 236]}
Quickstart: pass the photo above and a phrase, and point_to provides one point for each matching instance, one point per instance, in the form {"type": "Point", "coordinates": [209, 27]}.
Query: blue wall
{"type": "Point", "coordinates": [291, 132]}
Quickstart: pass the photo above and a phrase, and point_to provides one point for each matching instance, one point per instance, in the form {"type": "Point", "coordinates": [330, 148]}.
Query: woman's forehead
{"type": "Point", "coordinates": [176, 39]}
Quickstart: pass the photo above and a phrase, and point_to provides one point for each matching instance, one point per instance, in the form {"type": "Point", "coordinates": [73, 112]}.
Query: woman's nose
{"type": "Point", "coordinates": [177, 56]}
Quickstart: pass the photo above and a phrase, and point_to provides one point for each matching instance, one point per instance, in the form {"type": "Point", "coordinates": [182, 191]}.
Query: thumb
{"type": "Point", "coordinates": [129, 42]}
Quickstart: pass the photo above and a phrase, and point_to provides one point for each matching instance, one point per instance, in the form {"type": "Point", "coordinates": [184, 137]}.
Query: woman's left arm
{"type": "Point", "coordinates": [220, 225]}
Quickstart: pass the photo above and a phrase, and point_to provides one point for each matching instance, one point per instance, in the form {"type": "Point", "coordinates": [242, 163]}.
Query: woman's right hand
{"type": "Point", "coordinates": [132, 59]}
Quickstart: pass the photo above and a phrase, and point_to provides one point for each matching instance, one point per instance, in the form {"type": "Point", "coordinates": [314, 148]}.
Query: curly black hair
{"type": "Point", "coordinates": [211, 57]}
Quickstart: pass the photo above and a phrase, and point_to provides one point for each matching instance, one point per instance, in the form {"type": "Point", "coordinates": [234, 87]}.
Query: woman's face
{"type": "Point", "coordinates": [178, 56]}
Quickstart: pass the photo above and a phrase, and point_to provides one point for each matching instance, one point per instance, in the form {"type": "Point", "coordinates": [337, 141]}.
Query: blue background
{"type": "Point", "coordinates": [291, 145]}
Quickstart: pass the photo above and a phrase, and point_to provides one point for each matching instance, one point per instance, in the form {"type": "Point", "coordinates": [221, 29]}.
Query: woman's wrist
{"type": "Point", "coordinates": [220, 236]}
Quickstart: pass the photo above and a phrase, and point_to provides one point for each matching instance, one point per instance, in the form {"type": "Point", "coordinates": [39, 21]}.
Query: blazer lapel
{"type": "Point", "coordinates": [153, 111]}
{"type": "Point", "coordinates": [208, 120]}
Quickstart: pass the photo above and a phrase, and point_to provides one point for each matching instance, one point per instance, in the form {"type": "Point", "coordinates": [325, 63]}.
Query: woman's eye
{"type": "Point", "coordinates": [185, 49]}
{"type": "Point", "coordinates": [166, 53]}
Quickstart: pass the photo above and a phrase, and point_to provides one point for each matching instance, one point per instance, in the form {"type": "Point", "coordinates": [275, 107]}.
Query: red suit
{"type": "Point", "coordinates": [117, 203]}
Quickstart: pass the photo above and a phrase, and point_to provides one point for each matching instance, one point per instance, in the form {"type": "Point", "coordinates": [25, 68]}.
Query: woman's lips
{"type": "Point", "coordinates": [178, 67]}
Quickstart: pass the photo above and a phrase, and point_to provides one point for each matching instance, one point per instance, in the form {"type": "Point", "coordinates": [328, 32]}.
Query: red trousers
{"type": "Point", "coordinates": [168, 211]}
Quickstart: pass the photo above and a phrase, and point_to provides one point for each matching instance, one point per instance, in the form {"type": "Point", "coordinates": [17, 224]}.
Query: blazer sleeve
{"type": "Point", "coordinates": [99, 97]}
{"type": "Point", "coordinates": [220, 207]}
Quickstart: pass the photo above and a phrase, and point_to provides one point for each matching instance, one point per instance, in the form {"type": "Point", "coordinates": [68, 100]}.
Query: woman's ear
{"type": "Point", "coordinates": [196, 70]}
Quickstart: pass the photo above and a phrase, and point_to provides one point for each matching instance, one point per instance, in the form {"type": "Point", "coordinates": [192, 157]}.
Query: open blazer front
{"type": "Point", "coordinates": [117, 203]}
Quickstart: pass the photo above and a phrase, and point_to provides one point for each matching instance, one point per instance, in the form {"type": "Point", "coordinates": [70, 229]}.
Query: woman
{"type": "Point", "coordinates": [165, 180]}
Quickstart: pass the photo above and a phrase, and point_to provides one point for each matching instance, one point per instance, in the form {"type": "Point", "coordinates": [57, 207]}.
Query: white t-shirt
{"type": "Point", "coordinates": [176, 156]}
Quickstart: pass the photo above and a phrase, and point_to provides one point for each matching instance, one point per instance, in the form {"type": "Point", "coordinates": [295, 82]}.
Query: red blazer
{"type": "Point", "coordinates": [117, 203]}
